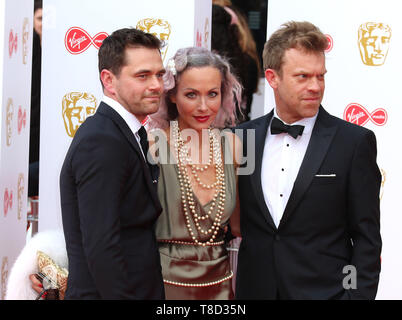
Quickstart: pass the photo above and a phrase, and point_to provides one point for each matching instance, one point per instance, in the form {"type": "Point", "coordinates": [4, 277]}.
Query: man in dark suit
{"type": "Point", "coordinates": [310, 217]}
{"type": "Point", "coordinates": [108, 188]}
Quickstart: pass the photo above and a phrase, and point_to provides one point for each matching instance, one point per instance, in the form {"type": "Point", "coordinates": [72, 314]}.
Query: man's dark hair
{"type": "Point", "coordinates": [37, 5]}
{"type": "Point", "coordinates": [111, 54]}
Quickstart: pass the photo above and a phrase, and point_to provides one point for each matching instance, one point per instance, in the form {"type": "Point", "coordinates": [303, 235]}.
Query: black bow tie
{"type": "Point", "coordinates": [277, 126]}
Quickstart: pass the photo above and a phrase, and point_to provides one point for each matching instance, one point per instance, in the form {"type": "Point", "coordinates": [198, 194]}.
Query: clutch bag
{"type": "Point", "coordinates": [53, 276]}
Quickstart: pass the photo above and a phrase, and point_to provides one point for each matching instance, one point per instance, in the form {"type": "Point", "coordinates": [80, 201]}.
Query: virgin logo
{"type": "Point", "coordinates": [12, 43]}
{"type": "Point", "coordinates": [357, 114]}
{"type": "Point", "coordinates": [330, 43]}
{"type": "Point", "coordinates": [22, 119]}
{"type": "Point", "coordinates": [198, 41]}
{"type": "Point", "coordinates": [77, 40]}
{"type": "Point", "coordinates": [8, 201]}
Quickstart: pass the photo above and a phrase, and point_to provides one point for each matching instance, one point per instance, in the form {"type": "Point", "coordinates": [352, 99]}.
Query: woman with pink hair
{"type": "Point", "coordinates": [197, 181]}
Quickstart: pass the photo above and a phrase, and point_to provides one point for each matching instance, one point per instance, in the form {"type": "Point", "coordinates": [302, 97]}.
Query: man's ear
{"type": "Point", "coordinates": [272, 77]}
{"type": "Point", "coordinates": [107, 78]}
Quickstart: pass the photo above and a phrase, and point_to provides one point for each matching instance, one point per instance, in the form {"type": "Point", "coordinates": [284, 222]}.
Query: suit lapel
{"type": "Point", "coordinates": [320, 141]}
{"type": "Point", "coordinates": [260, 135]}
{"type": "Point", "coordinates": [109, 112]}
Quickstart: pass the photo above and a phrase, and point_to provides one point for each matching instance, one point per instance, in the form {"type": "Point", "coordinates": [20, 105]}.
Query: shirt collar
{"type": "Point", "coordinates": [131, 120]}
{"type": "Point", "coordinates": [308, 123]}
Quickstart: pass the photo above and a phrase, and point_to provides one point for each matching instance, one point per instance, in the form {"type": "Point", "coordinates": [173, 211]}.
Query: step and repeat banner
{"type": "Point", "coordinates": [363, 63]}
{"type": "Point", "coordinates": [71, 91]}
{"type": "Point", "coordinates": [15, 95]}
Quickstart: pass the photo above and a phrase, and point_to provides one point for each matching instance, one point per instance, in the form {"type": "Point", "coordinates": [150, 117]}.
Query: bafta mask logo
{"type": "Point", "coordinates": [4, 277]}
{"type": "Point", "coordinates": [22, 119]}
{"type": "Point", "coordinates": [383, 179]}
{"type": "Point", "coordinates": [357, 114]}
{"type": "Point", "coordinates": [76, 108]}
{"type": "Point", "coordinates": [374, 41]}
{"type": "Point", "coordinates": [9, 121]}
{"type": "Point", "coordinates": [206, 33]}
{"type": "Point", "coordinates": [54, 276]}
{"type": "Point", "coordinates": [12, 43]}
{"type": "Point", "coordinates": [8, 201]}
{"type": "Point", "coordinates": [21, 187]}
{"type": "Point", "coordinates": [159, 28]}
{"type": "Point", "coordinates": [77, 40]}
{"type": "Point", "coordinates": [25, 36]}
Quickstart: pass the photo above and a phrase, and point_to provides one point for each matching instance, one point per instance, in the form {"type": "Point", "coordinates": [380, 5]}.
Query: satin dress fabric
{"type": "Point", "coordinates": [197, 271]}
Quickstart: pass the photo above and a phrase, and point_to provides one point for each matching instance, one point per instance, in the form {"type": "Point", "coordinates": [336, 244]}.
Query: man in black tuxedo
{"type": "Point", "coordinates": [108, 188]}
{"type": "Point", "coordinates": [310, 217]}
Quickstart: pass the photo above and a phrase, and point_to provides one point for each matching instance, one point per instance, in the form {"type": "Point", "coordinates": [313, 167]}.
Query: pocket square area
{"type": "Point", "coordinates": [321, 179]}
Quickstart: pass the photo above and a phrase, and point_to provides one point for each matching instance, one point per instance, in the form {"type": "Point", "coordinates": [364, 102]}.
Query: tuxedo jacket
{"type": "Point", "coordinates": [109, 207]}
{"type": "Point", "coordinates": [331, 221]}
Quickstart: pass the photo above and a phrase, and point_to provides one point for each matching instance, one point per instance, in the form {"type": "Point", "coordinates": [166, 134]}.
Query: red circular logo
{"type": "Point", "coordinates": [77, 40]}
{"type": "Point", "coordinates": [8, 201]}
{"type": "Point", "coordinates": [198, 39]}
{"type": "Point", "coordinates": [12, 43]}
{"type": "Point", "coordinates": [357, 114]}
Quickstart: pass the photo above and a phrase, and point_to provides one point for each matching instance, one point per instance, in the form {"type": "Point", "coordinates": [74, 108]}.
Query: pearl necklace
{"type": "Point", "coordinates": [187, 198]}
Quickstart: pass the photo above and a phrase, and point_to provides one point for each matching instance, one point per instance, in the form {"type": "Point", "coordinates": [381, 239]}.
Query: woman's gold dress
{"type": "Point", "coordinates": [192, 271]}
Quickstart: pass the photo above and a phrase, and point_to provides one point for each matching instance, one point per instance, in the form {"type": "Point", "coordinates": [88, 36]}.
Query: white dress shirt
{"type": "Point", "coordinates": [133, 123]}
{"type": "Point", "coordinates": [281, 162]}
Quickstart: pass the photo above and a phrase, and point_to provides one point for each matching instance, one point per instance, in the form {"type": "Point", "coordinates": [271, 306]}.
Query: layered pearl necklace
{"type": "Point", "coordinates": [187, 196]}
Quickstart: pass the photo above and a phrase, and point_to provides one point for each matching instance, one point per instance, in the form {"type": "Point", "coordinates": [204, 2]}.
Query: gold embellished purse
{"type": "Point", "coordinates": [53, 277]}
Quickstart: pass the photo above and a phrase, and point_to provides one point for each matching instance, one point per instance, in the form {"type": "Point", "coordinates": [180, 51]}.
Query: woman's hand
{"type": "Point", "coordinates": [35, 283]}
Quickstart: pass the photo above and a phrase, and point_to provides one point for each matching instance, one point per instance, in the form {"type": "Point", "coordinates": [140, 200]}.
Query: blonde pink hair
{"type": "Point", "coordinates": [196, 57]}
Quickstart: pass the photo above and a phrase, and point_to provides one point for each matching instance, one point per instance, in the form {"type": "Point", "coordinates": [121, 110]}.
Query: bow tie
{"type": "Point", "coordinates": [277, 126]}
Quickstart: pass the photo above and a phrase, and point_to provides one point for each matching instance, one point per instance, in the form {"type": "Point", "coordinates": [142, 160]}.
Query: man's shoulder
{"type": "Point", "coordinates": [252, 124]}
{"type": "Point", "coordinates": [98, 132]}
{"type": "Point", "coordinates": [99, 123]}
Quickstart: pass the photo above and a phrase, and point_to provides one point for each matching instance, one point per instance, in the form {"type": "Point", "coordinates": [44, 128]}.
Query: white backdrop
{"type": "Point", "coordinates": [72, 33]}
{"type": "Point", "coordinates": [364, 92]}
{"type": "Point", "coordinates": [15, 95]}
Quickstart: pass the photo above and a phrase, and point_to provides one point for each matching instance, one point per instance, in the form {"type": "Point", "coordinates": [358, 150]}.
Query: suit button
{"type": "Point", "coordinates": [277, 237]}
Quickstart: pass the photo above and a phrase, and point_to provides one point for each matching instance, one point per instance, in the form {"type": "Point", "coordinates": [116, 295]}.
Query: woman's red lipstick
{"type": "Point", "coordinates": [201, 118]}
